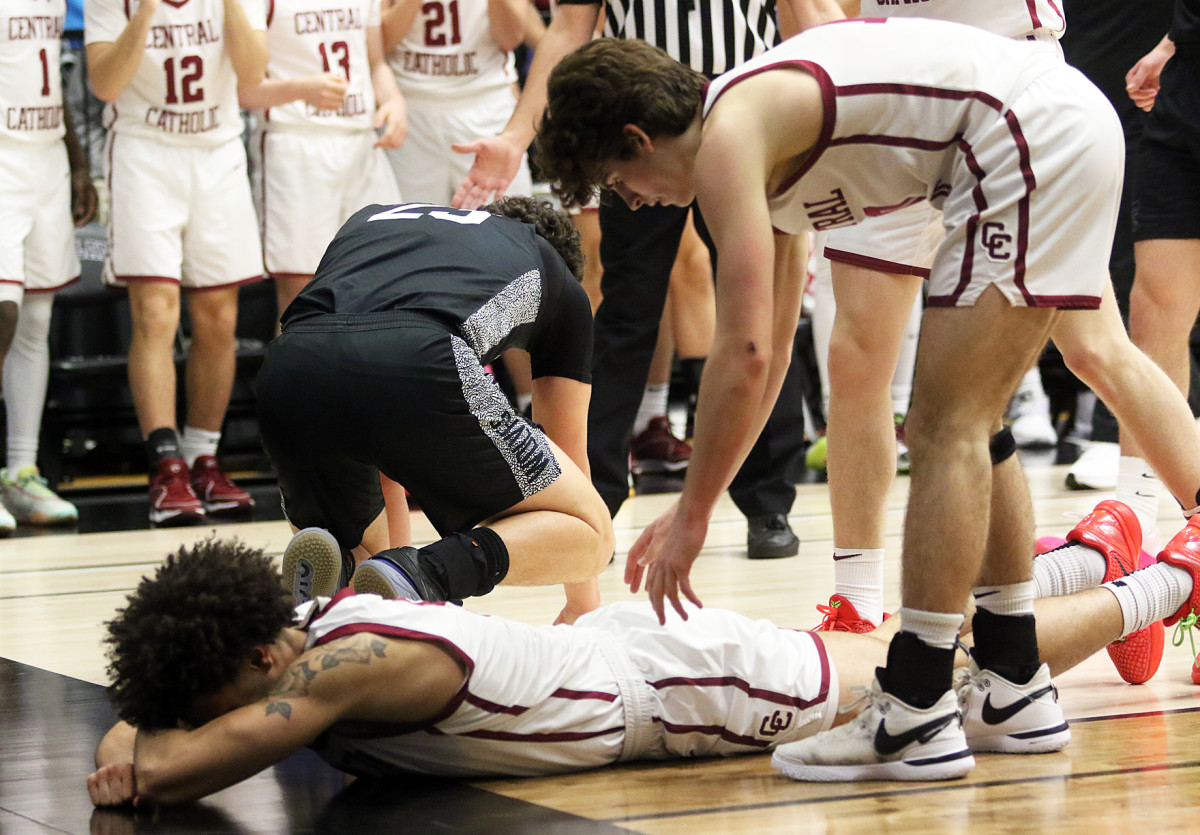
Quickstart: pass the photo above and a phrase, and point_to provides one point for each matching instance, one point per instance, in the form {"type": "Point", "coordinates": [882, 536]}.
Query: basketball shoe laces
{"type": "Point", "coordinates": [829, 614]}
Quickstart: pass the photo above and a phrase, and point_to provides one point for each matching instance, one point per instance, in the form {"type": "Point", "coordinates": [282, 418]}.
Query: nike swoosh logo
{"type": "Point", "coordinates": [886, 743]}
{"type": "Point", "coordinates": [992, 715]}
{"type": "Point", "coordinates": [845, 556]}
{"type": "Point", "coordinates": [987, 593]}
{"type": "Point", "coordinates": [1144, 495]}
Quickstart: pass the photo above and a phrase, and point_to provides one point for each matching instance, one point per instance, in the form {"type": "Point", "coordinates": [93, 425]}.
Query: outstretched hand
{"type": "Point", "coordinates": [497, 160]}
{"type": "Point", "coordinates": [663, 555]}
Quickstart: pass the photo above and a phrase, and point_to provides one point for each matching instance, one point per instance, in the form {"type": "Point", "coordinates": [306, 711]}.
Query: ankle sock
{"type": "Point", "coordinates": [1150, 595]}
{"type": "Point", "coordinates": [161, 443]}
{"type": "Point", "coordinates": [858, 577]}
{"type": "Point", "coordinates": [1006, 644]}
{"type": "Point", "coordinates": [1068, 569]}
{"type": "Point", "coordinates": [920, 665]}
{"type": "Point", "coordinates": [196, 442]}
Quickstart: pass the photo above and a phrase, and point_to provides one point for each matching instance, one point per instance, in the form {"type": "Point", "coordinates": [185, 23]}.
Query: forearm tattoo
{"type": "Point", "coordinates": [296, 679]}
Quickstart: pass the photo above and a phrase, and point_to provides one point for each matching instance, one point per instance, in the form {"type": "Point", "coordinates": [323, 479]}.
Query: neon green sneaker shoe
{"type": "Point", "coordinates": [818, 455]}
{"type": "Point", "coordinates": [29, 498]}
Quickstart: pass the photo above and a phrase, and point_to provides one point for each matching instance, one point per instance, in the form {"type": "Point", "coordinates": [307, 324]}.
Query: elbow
{"type": "Point", "coordinates": [107, 93]}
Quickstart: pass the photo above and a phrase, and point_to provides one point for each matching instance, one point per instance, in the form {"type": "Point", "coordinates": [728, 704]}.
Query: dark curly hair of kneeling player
{"type": "Point", "coordinates": [185, 631]}
{"type": "Point", "coordinates": [552, 224]}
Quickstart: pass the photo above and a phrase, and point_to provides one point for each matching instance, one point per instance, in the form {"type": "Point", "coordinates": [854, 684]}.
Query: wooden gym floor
{"type": "Point", "coordinates": [1131, 763]}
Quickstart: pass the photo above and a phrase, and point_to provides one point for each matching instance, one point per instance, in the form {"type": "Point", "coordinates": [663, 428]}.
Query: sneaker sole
{"type": "Point", "coordinates": [312, 558]}
{"type": "Point", "coordinates": [947, 767]}
{"type": "Point", "coordinates": [172, 518]}
{"type": "Point", "coordinates": [227, 507]}
{"type": "Point", "coordinates": [1041, 741]}
{"type": "Point", "coordinates": [371, 579]}
{"type": "Point", "coordinates": [1138, 656]}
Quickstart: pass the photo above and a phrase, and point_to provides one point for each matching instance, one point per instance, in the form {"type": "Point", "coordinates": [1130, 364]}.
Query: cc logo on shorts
{"type": "Point", "coordinates": [996, 241]}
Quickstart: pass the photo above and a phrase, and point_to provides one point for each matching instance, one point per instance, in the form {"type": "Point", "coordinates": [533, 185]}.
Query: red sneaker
{"type": "Point", "coordinates": [1183, 551]}
{"type": "Point", "coordinates": [656, 450]}
{"type": "Point", "coordinates": [172, 500]}
{"type": "Point", "coordinates": [1113, 530]}
{"type": "Point", "coordinates": [216, 491]}
{"type": "Point", "coordinates": [841, 616]}
{"type": "Point", "coordinates": [1137, 655]}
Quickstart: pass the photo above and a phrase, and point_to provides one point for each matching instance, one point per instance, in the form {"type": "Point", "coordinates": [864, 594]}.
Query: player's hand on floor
{"type": "Point", "coordinates": [113, 785]}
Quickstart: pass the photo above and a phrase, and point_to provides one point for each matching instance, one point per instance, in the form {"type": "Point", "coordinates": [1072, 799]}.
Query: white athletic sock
{"type": "Point", "coordinates": [1150, 595]}
{"type": "Point", "coordinates": [1011, 599]}
{"type": "Point", "coordinates": [1139, 487]}
{"type": "Point", "coordinates": [937, 629]}
{"type": "Point", "coordinates": [654, 404]}
{"type": "Point", "coordinates": [26, 369]}
{"type": "Point", "coordinates": [1068, 569]}
{"type": "Point", "coordinates": [194, 442]}
{"type": "Point", "coordinates": [858, 577]}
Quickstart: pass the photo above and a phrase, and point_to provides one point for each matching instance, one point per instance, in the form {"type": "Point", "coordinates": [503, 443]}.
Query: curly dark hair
{"type": "Point", "coordinates": [185, 631]}
{"type": "Point", "coordinates": [597, 90]}
{"type": "Point", "coordinates": [553, 225]}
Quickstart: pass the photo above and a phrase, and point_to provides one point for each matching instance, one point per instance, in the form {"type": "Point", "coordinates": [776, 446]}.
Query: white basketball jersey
{"type": "Point", "coordinates": [185, 89]}
{"type": "Point", "coordinates": [306, 37]}
{"type": "Point", "coordinates": [1010, 18]}
{"type": "Point", "coordinates": [30, 83]}
{"type": "Point", "coordinates": [903, 99]}
{"type": "Point", "coordinates": [449, 52]}
{"type": "Point", "coordinates": [527, 689]}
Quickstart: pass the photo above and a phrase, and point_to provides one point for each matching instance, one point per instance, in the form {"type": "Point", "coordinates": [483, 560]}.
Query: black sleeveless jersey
{"type": "Point", "coordinates": [491, 280]}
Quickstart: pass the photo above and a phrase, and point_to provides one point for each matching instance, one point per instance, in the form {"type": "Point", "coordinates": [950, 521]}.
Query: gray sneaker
{"type": "Point", "coordinates": [396, 574]}
{"type": "Point", "coordinates": [314, 565]}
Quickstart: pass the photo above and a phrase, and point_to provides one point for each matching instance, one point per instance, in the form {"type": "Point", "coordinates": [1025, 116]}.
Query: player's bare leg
{"type": "Point", "coordinates": [1156, 422]}
{"type": "Point", "coordinates": [212, 357]}
{"type": "Point", "coordinates": [154, 309]}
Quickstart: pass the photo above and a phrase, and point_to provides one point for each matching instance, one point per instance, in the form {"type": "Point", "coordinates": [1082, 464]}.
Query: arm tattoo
{"type": "Point", "coordinates": [296, 679]}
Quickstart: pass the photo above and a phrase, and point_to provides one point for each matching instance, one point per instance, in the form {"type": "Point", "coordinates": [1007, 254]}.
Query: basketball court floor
{"type": "Point", "coordinates": [1133, 763]}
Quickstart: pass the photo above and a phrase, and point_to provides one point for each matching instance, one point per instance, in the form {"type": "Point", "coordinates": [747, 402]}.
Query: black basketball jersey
{"type": "Point", "coordinates": [491, 280]}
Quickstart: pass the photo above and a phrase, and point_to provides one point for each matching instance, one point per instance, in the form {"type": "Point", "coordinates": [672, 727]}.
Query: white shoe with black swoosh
{"type": "Point", "coordinates": [1008, 718]}
{"type": "Point", "coordinates": [888, 740]}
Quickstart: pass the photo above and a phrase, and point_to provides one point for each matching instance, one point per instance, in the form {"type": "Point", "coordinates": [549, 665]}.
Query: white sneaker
{"type": "Point", "coordinates": [314, 566]}
{"type": "Point", "coordinates": [1096, 468]}
{"type": "Point", "coordinates": [889, 740]}
{"type": "Point", "coordinates": [29, 499]}
{"type": "Point", "coordinates": [7, 523]}
{"type": "Point", "coordinates": [1031, 426]}
{"type": "Point", "coordinates": [1010, 718]}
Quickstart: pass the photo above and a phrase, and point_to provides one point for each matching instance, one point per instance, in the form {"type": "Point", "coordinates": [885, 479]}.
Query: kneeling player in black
{"type": "Point", "coordinates": [380, 367]}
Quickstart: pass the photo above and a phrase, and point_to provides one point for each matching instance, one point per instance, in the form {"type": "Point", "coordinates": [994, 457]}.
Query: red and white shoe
{"type": "Point", "coordinates": [841, 616]}
{"type": "Point", "coordinates": [656, 449]}
{"type": "Point", "coordinates": [172, 500]}
{"type": "Point", "coordinates": [215, 490]}
{"type": "Point", "coordinates": [1113, 530]}
{"type": "Point", "coordinates": [1183, 551]}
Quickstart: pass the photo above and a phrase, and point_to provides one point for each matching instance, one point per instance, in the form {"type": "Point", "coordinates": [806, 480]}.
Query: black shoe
{"type": "Point", "coordinates": [396, 573]}
{"type": "Point", "coordinates": [769, 537]}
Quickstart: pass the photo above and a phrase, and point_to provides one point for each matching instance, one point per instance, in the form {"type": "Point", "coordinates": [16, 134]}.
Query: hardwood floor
{"type": "Point", "coordinates": [1133, 761]}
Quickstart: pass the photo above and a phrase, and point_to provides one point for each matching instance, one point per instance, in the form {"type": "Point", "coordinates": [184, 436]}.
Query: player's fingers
{"type": "Point", "coordinates": [685, 585]}
{"type": "Point", "coordinates": [471, 147]}
{"type": "Point", "coordinates": [634, 571]}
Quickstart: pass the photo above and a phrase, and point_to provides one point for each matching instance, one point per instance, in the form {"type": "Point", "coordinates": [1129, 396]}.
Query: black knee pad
{"type": "Point", "coordinates": [1002, 446]}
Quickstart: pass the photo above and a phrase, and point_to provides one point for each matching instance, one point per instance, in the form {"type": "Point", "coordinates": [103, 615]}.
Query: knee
{"type": "Point", "coordinates": [854, 364]}
{"type": "Point", "coordinates": [214, 322]}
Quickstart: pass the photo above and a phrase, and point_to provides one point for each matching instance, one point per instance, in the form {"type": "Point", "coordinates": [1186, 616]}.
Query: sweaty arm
{"type": "Point", "coordinates": [360, 677]}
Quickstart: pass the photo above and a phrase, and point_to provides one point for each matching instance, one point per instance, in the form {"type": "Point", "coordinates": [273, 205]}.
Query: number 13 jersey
{"type": "Point", "coordinates": [185, 89]}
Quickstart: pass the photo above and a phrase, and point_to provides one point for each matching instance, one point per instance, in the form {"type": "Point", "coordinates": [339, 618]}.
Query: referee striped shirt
{"type": "Point", "coordinates": [710, 36]}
